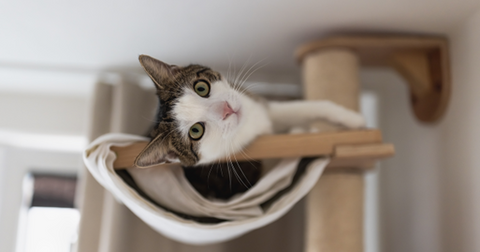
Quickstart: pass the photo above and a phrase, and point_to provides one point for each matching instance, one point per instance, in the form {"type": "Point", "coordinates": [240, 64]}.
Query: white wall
{"type": "Point", "coordinates": [408, 182]}
{"type": "Point", "coordinates": [460, 138]}
{"type": "Point", "coordinates": [3, 152]}
{"type": "Point", "coordinates": [43, 113]}
{"type": "Point", "coordinates": [28, 116]}
{"type": "Point", "coordinates": [15, 166]}
{"type": "Point", "coordinates": [37, 131]}
{"type": "Point", "coordinates": [430, 190]}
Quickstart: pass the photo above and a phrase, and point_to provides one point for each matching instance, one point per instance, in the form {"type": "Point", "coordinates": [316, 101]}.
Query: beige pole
{"type": "Point", "coordinates": [334, 218]}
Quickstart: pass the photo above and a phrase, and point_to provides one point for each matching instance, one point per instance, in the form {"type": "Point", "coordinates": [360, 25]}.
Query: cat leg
{"type": "Point", "coordinates": [286, 115]}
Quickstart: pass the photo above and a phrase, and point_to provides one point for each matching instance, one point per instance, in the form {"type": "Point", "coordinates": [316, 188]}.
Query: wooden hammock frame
{"type": "Point", "coordinates": [345, 148]}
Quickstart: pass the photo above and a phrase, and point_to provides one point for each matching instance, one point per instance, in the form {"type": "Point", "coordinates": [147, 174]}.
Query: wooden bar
{"type": "Point", "coordinates": [277, 146]}
{"type": "Point", "coordinates": [373, 151]}
{"type": "Point", "coordinates": [361, 156]}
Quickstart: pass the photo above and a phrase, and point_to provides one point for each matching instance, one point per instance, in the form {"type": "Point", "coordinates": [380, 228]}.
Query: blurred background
{"type": "Point", "coordinates": [52, 53]}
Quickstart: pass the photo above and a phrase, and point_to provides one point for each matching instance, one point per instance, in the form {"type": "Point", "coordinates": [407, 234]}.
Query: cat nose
{"type": "Point", "coordinates": [227, 110]}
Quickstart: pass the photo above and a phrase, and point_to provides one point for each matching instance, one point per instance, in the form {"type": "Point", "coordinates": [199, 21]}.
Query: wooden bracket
{"type": "Point", "coordinates": [422, 61]}
{"type": "Point", "coordinates": [359, 149]}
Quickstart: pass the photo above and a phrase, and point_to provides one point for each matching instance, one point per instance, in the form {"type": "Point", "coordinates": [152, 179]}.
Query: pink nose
{"type": "Point", "coordinates": [227, 110]}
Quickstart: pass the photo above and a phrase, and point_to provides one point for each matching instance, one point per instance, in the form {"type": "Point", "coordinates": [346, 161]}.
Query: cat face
{"type": "Point", "coordinates": [198, 115]}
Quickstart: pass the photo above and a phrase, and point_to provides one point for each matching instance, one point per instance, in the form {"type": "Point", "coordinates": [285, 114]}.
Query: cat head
{"type": "Point", "coordinates": [199, 114]}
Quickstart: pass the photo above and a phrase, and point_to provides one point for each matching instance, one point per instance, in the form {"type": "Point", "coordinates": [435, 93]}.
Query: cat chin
{"type": "Point", "coordinates": [231, 125]}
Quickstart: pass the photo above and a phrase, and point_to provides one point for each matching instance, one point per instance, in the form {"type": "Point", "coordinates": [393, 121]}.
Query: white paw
{"type": "Point", "coordinates": [353, 120]}
{"type": "Point", "coordinates": [345, 117]}
{"type": "Point", "coordinates": [356, 121]}
{"type": "Point", "coordinates": [297, 130]}
{"type": "Point", "coordinates": [314, 130]}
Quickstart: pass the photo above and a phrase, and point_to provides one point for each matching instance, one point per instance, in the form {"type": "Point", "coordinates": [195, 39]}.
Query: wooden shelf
{"type": "Point", "coordinates": [357, 149]}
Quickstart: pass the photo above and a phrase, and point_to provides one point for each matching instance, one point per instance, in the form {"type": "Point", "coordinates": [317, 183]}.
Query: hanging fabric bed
{"type": "Point", "coordinates": [165, 200]}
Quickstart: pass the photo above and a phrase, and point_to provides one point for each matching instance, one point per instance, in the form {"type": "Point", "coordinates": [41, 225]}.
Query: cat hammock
{"type": "Point", "coordinates": [330, 70]}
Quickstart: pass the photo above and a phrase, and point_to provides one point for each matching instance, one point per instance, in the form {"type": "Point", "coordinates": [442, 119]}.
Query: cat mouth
{"type": "Point", "coordinates": [228, 111]}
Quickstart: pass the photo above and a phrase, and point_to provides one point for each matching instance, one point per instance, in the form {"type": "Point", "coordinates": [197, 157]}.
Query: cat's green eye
{"type": "Point", "coordinates": [202, 88]}
{"type": "Point", "coordinates": [196, 131]}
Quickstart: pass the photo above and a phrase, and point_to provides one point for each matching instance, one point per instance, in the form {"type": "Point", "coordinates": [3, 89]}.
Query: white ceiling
{"type": "Point", "coordinates": [99, 34]}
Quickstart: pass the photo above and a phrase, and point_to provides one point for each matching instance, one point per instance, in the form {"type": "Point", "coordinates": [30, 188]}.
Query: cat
{"type": "Point", "coordinates": [202, 117]}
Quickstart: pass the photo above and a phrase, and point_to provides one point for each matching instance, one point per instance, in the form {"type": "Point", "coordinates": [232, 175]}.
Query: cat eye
{"type": "Point", "coordinates": [202, 88]}
{"type": "Point", "coordinates": [196, 131]}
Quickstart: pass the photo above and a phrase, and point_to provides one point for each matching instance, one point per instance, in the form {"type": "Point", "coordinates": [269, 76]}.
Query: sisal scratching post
{"type": "Point", "coordinates": [334, 218]}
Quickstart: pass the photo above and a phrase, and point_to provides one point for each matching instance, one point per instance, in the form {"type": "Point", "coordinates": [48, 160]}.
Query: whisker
{"type": "Point", "coordinates": [239, 77]}
{"type": "Point", "coordinates": [252, 72]}
{"type": "Point", "coordinates": [216, 162]}
{"type": "Point", "coordinates": [249, 159]}
{"type": "Point", "coordinates": [245, 77]}
{"type": "Point", "coordinates": [247, 89]}
{"type": "Point", "coordinates": [228, 166]}
{"type": "Point", "coordinates": [229, 177]}
{"type": "Point", "coordinates": [238, 177]}
{"type": "Point", "coordinates": [229, 64]}
{"type": "Point", "coordinates": [238, 165]}
{"type": "Point", "coordinates": [149, 119]}
{"type": "Point", "coordinates": [208, 176]}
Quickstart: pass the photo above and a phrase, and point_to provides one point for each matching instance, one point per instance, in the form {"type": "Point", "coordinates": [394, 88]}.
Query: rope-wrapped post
{"type": "Point", "coordinates": [334, 217]}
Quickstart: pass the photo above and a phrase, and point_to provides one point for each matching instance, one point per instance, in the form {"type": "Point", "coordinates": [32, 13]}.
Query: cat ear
{"type": "Point", "coordinates": [156, 153]}
{"type": "Point", "coordinates": [158, 71]}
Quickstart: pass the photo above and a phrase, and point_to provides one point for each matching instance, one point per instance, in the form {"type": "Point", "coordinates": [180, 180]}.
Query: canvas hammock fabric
{"type": "Point", "coordinates": [174, 209]}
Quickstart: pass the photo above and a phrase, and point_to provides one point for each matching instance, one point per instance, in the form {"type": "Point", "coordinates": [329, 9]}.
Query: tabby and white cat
{"type": "Point", "coordinates": [202, 117]}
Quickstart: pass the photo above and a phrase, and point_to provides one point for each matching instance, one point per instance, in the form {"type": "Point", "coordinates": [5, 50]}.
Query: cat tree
{"type": "Point", "coordinates": [331, 72]}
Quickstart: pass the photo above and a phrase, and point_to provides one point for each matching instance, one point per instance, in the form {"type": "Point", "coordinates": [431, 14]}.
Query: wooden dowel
{"type": "Point", "coordinates": [364, 150]}
{"type": "Point", "coordinates": [285, 146]}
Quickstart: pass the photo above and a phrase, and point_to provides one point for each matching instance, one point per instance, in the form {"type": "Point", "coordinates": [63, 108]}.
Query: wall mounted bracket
{"type": "Point", "coordinates": [422, 61]}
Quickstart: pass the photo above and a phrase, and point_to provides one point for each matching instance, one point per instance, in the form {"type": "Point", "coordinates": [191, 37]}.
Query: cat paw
{"type": "Point", "coordinates": [354, 121]}
{"type": "Point", "coordinates": [298, 130]}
